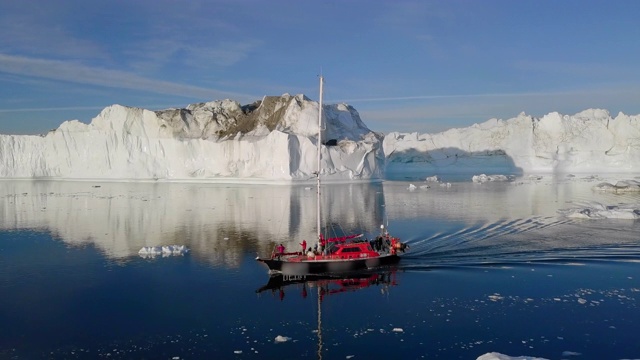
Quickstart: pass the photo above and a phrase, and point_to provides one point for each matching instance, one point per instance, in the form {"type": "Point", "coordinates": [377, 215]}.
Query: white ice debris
{"type": "Point", "coordinates": [281, 339]}
{"type": "Point", "coordinates": [594, 210]}
{"type": "Point", "coordinates": [398, 330]}
{"type": "Point", "coordinates": [498, 356]}
{"type": "Point", "coordinates": [620, 187]}
{"type": "Point", "coordinates": [482, 178]}
{"type": "Point", "coordinates": [165, 250]}
{"type": "Point", "coordinates": [570, 353]}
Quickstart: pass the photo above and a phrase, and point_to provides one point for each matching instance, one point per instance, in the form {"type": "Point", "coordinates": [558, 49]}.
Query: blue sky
{"type": "Point", "coordinates": [406, 66]}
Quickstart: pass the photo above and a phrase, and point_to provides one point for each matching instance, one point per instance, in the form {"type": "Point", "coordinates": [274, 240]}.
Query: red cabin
{"type": "Point", "coordinates": [356, 250]}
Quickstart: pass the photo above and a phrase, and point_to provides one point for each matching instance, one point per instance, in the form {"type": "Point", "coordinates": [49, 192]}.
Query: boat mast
{"type": "Point", "coordinates": [318, 148]}
{"type": "Point", "coordinates": [318, 145]}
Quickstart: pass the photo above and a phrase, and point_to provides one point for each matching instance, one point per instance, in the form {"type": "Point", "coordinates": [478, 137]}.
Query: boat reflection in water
{"type": "Point", "coordinates": [327, 285]}
{"type": "Point", "coordinates": [330, 284]}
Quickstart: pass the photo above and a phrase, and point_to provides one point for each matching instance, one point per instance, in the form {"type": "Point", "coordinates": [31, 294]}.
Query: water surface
{"type": "Point", "coordinates": [492, 267]}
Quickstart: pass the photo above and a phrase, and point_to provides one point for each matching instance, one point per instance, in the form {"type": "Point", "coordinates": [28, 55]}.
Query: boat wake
{"type": "Point", "coordinates": [525, 240]}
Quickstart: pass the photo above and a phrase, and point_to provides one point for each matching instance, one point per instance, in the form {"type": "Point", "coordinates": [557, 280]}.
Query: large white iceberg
{"type": "Point", "coordinates": [588, 142]}
{"type": "Point", "coordinates": [272, 139]}
{"type": "Point", "coordinates": [275, 140]}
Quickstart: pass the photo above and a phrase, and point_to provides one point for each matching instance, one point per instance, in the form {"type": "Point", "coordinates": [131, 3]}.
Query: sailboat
{"type": "Point", "coordinates": [335, 254]}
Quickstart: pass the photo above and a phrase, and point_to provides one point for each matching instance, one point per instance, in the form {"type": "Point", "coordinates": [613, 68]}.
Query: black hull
{"type": "Point", "coordinates": [337, 266]}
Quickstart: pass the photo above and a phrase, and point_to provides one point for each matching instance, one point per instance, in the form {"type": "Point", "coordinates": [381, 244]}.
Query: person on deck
{"type": "Point", "coordinates": [280, 249]}
{"type": "Point", "coordinates": [394, 245]}
{"type": "Point", "coordinates": [304, 246]}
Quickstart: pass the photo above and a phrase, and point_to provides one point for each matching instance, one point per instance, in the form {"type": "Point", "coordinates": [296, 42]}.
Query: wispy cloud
{"type": "Point", "coordinates": [446, 111]}
{"type": "Point", "coordinates": [51, 109]}
{"type": "Point", "coordinates": [461, 96]}
{"type": "Point", "coordinates": [82, 74]}
{"type": "Point", "coordinates": [583, 69]}
{"type": "Point", "coordinates": [38, 28]}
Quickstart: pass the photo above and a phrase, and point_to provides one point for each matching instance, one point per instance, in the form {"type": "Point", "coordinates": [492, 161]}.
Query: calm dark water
{"type": "Point", "coordinates": [492, 267]}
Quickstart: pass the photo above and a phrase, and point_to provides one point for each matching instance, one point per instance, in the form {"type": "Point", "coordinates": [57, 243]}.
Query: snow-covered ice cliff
{"type": "Point", "coordinates": [272, 139]}
{"type": "Point", "coordinates": [588, 142]}
{"type": "Point", "coordinates": [275, 140]}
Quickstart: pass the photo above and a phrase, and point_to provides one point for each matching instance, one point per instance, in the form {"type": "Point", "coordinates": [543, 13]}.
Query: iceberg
{"type": "Point", "coordinates": [271, 139]}
{"type": "Point", "coordinates": [588, 142]}
{"type": "Point", "coordinates": [274, 139]}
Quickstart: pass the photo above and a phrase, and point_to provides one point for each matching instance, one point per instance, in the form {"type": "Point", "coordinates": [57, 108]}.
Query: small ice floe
{"type": "Point", "coordinates": [282, 339]}
{"type": "Point", "coordinates": [570, 353]}
{"type": "Point", "coordinates": [498, 356]}
{"type": "Point", "coordinates": [237, 352]}
{"type": "Point", "coordinates": [398, 330]}
{"type": "Point", "coordinates": [412, 187]}
{"type": "Point", "coordinates": [591, 178]}
{"type": "Point", "coordinates": [482, 178]}
{"type": "Point", "coordinates": [600, 211]}
{"type": "Point", "coordinates": [166, 250]}
{"type": "Point", "coordinates": [433, 178]}
{"type": "Point", "coordinates": [495, 297]}
{"type": "Point", "coordinates": [619, 187]}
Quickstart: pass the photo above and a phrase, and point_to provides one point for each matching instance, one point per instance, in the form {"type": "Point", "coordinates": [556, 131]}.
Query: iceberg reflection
{"type": "Point", "coordinates": [216, 222]}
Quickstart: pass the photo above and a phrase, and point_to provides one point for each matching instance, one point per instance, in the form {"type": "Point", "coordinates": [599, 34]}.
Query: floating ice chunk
{"type": "Point", "coordinates": [600, 211]}
{"type": "Point", "coordinates": [570, 353]}
{"type": "Point", "coordinates": [281, 339]}
{"type": "Point", "coordinates": [412, 187]}
{"type": "Point", "coordinates": [498, 356]}
{"type": "Point", "coordinates": [620, 186]}
{"type": "Point", "coordinates": [398, 330]}
{"type": "Point", "coordinates": [482, 178]}
{"type": "Point", "coordinates": [237, 351]}
{"type": "Point", "coordinates": [433, 178]}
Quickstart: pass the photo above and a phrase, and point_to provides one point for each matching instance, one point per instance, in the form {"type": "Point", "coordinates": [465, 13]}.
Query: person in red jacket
{"type": "Point", "coordinates": [304, 246]}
